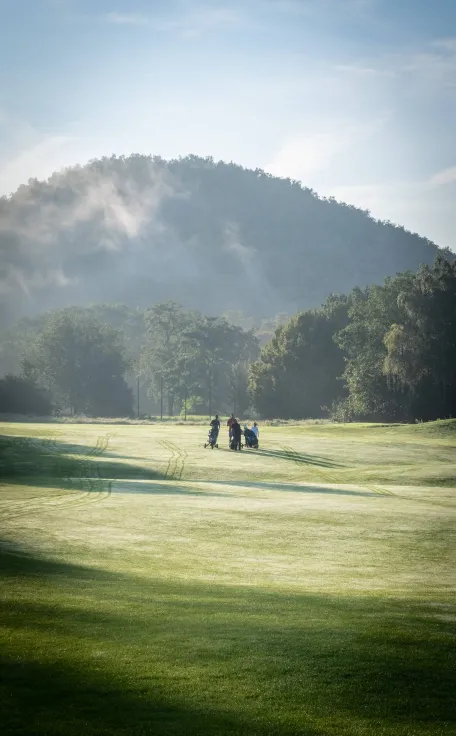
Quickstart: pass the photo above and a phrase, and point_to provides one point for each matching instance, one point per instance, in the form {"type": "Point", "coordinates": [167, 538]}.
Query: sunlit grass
{"type": "Point", "coordinates": [152, 586]}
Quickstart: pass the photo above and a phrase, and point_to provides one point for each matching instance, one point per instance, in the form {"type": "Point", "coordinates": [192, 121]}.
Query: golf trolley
{"type": "Point", "coordinates": [212, 439]}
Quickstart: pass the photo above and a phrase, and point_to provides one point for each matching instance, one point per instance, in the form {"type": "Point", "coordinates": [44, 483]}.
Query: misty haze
{"type": "Point", "coordinates": [213, 236]}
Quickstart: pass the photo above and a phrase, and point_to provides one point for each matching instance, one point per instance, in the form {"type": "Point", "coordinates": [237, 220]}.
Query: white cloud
{"type": "Point", "coordinates": [127, 19]}
{"type": "Point", "coordinates": [434, 66]}
{"type": "Point", "coordinates": [38, 159]}
{"type": "Point", "coordinates": [408, 203]}
{"type": "Point", "coordinates": [28, 153]}
{"type": "Point", "coordinates": [378, 197]}
{"type": "Point", "coordinates": [356, 7]}
{"type": "Point", "coordinates": [446, 44]}
{"type": "Point", "coordinates": [361, 70]}
{"type": "Point", "coordinates": [442, 178]}
{"type": "Point", "coordinates": [190, 19]}
{"type": "Point", "coordinates": [300, 7]}
{"type": "Point", "coordinates": [431, 65]}
{"type": "Point", "coordinates": [295, 7]}
{"type": "Point", "coordinates": [303, 155]}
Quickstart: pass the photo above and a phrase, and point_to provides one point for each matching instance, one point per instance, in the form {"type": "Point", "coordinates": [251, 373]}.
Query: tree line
{"type": "Point", "coordinates": [110, 360]}
{"type": "Point", "coordinates": [383, 353]}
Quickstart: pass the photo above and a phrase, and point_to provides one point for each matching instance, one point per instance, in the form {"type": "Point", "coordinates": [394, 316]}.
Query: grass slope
{"type": "Point", "coordinates": [150, 586]}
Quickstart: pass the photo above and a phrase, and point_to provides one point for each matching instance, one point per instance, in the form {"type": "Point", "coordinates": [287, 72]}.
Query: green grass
{"type": "Point", "coordinates": [150, 586]}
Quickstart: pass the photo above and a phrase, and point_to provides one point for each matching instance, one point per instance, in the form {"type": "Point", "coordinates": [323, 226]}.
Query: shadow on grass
{"type": "Point", "coordinates": [298, 457]}
{"type": "Point", "coordinates": [100, 652]}
{"type": "Point", "coordinates": [49, 699]}
{"type": "Point", "coordinates": [50, 463]}
{"type": "Point", "coordinates": [25, 460]}
{"type": "Point", "coordinates": [292, 487]}
{"type": "Point", "coordinates": [448, 481]}
{"type": "Point", "coordinates": [165, 488]}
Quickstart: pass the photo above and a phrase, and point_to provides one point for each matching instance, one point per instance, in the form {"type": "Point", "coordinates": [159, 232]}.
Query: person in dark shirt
{"type": "Point", "coordinates": [229, 424]}
{"type": "Point", "coordinates": [236, 432]}
{"type": "Point", "coordinates": [215, 429]}
{"type": "Point", "coordinates": [216, 423]}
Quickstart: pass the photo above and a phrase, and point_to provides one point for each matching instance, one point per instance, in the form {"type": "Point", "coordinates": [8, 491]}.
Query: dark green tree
{"type": "Point", "coordinates": [421, 347]}
{"type": "Point", "coordinates": [190, 354]}
{"type": "Point", "coordinates": [165, 355]}
{"type": "Point", "coordinates": [219, 350]}
{"type": "Point", "coordinates": [298, 372]}
{"type": "Point", "coordinates": [239, 385]}
{"type": "Point", "coordinates": [22, 395]}
{"type": "Point", "coordinates": [83, 362]}
{"type": "Point", "coordinates": [372, 311]}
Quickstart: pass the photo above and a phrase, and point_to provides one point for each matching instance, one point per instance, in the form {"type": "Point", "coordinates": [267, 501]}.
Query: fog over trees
{"type": "Point", "coordinates": [211, 236]}
{"type": "Point", "coordinates": [138, 284]}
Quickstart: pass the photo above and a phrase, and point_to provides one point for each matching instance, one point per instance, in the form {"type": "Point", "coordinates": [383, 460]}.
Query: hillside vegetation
{"type": "Point", "coordinates": [385, 353]}
{"type": "Point", "coordinates": [212, 236]}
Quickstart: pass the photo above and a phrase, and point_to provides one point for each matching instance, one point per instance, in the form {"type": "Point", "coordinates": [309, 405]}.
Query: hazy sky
{"type": "Point", "coordinates": [356, 98]}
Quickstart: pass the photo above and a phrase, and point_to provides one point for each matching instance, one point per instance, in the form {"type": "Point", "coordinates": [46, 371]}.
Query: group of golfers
{"type": "Point", "coordinates": [235, 431]}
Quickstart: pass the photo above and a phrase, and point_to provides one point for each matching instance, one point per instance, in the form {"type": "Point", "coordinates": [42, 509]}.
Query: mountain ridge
{"type": "Point", "coordinates": [211, 235]}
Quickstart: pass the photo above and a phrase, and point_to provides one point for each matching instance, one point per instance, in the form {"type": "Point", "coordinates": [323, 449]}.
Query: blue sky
{"type": "Point", "coordinates": [356, 98]}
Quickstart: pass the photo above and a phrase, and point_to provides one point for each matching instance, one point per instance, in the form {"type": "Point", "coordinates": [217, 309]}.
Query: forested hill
{"type": "Point", "coordinates": [212, 236]}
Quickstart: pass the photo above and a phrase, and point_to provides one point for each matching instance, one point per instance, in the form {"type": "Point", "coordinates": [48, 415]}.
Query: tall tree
{"type": "Point", "coordinates": [83, 362]}
{"type": "Point", "coordinates": [165, 353]}
{"type": "Point", "coordinates": [22, 395]}
{"type": "Point", "coordinates": [421, 348]}
{"type": "Point", "coordinates": [298, 372]}
{"type": "Point", "coordinates": [188, 353]}
{"type": "Point", "coordinates": [239, 385]}
{"type": "Point", "coordinates": [372, 311]}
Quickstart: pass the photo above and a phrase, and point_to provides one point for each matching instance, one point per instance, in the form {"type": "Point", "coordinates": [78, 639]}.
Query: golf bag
{"type": "Point", "coordinates": [235, 444]}
{"type": "Point", "coordinates": [251, 440]}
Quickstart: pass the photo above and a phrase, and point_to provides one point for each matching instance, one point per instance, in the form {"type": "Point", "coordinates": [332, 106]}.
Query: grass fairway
{"type": "Point", "coordinates": [150, 586]}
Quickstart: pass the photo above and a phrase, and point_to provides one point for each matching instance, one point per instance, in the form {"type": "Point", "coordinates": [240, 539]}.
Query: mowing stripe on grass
{"type": "Point", "coordinates": [176, 463]}
{"type": "Point", "coordinates": [294, 455]}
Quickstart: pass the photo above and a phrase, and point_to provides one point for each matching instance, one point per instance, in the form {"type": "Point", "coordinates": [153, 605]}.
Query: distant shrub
{"type": "Point", "coordinates": [19, 395]}
{"type": "Point", "coordinates": [341, 411]}
{"type": "Point", "coordinates": [195, 406]}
